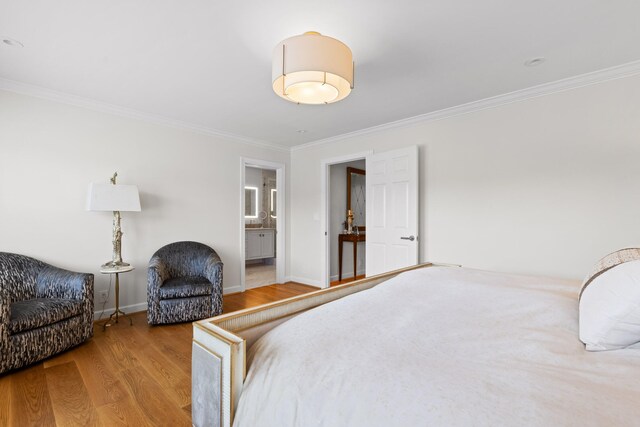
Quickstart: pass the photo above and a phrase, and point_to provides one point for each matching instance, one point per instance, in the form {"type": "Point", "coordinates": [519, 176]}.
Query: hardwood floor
{"type": "Point", "coordinates": [347, 280]}
{"type": "Point", "coordinates": [127, 375]}
{"type": "Point", "coordinates": [263, 295]}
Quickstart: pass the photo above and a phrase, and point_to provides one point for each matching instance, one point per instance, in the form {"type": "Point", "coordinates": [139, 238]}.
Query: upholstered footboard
{"type": "Point", "coordinates": [219, 347]}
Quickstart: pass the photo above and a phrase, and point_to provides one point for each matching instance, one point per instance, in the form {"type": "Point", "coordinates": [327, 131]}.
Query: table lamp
{"type": "Point", "coordinates": [116, 198]}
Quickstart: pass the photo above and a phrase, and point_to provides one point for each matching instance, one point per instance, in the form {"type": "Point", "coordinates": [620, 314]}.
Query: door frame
{"type": "Point", "coordinates": [281, 249]}
{"type": "Point", "coordinates": [325, 190]}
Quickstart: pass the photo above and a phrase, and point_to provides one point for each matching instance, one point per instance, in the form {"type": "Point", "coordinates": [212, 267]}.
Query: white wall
{"type": "Point", "coordinates": [543, 186]}
{"type": "Point", "coordinates": [189, 188]}
{"type": "Point", "coordinates": [337, 215]}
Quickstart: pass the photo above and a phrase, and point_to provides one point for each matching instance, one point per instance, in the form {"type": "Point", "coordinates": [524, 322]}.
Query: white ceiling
{"type": "Point", "coordinates": [208, 63]}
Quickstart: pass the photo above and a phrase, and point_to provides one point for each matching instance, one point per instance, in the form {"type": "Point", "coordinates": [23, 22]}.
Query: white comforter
{"type": "Point", "coordinates": [441, 347]}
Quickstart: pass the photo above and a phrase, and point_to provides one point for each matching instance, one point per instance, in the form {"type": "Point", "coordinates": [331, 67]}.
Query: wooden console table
{"type": "Point", "coordinates": [353, 238]}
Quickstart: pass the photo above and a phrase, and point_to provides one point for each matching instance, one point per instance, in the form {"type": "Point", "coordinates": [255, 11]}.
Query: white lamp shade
{"type": "Point", "coordinates": [312, 69]}
{"type": "Point", "coordinates": [110, 197]}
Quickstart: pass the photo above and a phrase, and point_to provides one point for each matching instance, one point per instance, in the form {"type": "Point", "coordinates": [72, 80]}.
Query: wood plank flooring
{"type": "Point", "coordinates": [347, 280]}
{"type": "Point", "coordinates": [263, 295]}
{"type": "Point", "coordinates": [127, 375]}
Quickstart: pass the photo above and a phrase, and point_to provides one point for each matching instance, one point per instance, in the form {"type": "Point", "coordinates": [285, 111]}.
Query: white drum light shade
{"type": "Point", "coordinates": [312, 69]}
{"type": "Point", "coordinates": [109, 197]}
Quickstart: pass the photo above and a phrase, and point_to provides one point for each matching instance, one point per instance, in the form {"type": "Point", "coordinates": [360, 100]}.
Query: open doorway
{"type": "Point", "coordinates": [346, 219]}
{"type": "Point", "coordinates": [260, 227]}
{"type": "Point", "coordinates": [262, 224]}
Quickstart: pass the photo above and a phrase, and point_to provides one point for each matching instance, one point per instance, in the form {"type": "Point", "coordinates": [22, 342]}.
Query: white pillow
{"type": "Point", "coordinates": [610, 302]}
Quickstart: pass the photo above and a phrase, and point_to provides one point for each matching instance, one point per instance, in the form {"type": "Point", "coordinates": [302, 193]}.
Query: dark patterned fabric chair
{"type": "Point", "coordinates": [43, 310]}
{"type": "Point", "coordinates": [184, 283]}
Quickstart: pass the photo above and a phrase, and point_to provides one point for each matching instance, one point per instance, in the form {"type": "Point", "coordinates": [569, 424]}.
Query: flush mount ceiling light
{"type": "Point", "coordinates": [312, 69]}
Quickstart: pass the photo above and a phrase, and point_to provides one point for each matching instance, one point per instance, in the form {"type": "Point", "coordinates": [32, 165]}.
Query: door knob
{"type": "Point", "coordinates": [410, 238]}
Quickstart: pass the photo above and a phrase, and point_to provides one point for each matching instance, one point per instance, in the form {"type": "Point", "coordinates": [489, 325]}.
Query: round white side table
{"type": "Point", "coordinates": [117, 313]}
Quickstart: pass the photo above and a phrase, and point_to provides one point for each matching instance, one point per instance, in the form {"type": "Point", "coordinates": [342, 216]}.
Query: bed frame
{"type": "Point", "coordinates": [219, 364]}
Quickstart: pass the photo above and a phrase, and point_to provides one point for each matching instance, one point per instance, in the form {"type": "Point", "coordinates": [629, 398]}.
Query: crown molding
{"type": "Point", "coordinates": [77, 101]}
{"type": "Point", "coordinates": [570, 83]}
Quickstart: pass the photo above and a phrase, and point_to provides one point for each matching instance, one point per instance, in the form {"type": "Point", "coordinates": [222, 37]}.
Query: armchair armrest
{"type": "Point", "coordinates": [4, 327]}
{"type": "Point", "coordinates": [4, 312]}
{"type": "Point", "coordinates": [157, 274]}
{"type": "Point", "coordinates": [54, 282]}
{"type": "Point", "coordinates": [213, 270]}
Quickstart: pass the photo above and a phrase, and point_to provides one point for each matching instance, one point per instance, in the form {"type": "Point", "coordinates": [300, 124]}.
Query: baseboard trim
{"type": "Point", "coordinates": [129, 309]}
{"type": "Point", "coordinates": [346, 275]}
{"type": "Point", "coordinates": [231, 290]}
{"type": "Point", "coordinates": [306, 281]}
{"type": "Point", "coordinates": [133, 308]}
{"type": "Point", "coordinates": [260, 285]}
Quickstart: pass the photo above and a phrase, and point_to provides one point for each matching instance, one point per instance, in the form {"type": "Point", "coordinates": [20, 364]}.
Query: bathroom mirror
{"type": "Point", "coordinates": [251, 202]}
{"type": "Point", "coordinates": [356, 192]}
{"type": "Point", "coordinates": [272, 206]}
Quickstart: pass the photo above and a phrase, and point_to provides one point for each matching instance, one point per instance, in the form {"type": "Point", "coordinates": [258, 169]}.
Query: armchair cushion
{"type": "Point", "coordinates": [38, 312]}
{"type": "Point", "coordinates": [185, 287]}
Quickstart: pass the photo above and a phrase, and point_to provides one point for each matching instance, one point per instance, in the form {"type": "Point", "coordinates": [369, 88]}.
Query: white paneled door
{"type": "Point", "coordinates": [392, 210]}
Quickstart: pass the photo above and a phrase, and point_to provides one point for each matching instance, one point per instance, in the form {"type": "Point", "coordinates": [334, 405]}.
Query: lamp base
{"type": "Point", "coordinates": [114, 264]}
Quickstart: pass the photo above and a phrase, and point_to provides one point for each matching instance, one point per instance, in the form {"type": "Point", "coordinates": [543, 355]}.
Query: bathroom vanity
{"type": "Point", "coordinates": [259, 243]}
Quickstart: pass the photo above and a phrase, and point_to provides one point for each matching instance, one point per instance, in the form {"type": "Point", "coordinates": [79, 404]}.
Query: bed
{"type": "Point", "coordinates": [426, 346]}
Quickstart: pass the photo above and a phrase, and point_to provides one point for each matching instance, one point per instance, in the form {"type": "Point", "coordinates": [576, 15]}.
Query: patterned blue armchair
{"type": "Point", "coordinates": [184, 283]}
{"type": "Point", "coordinates": [43, 310]}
